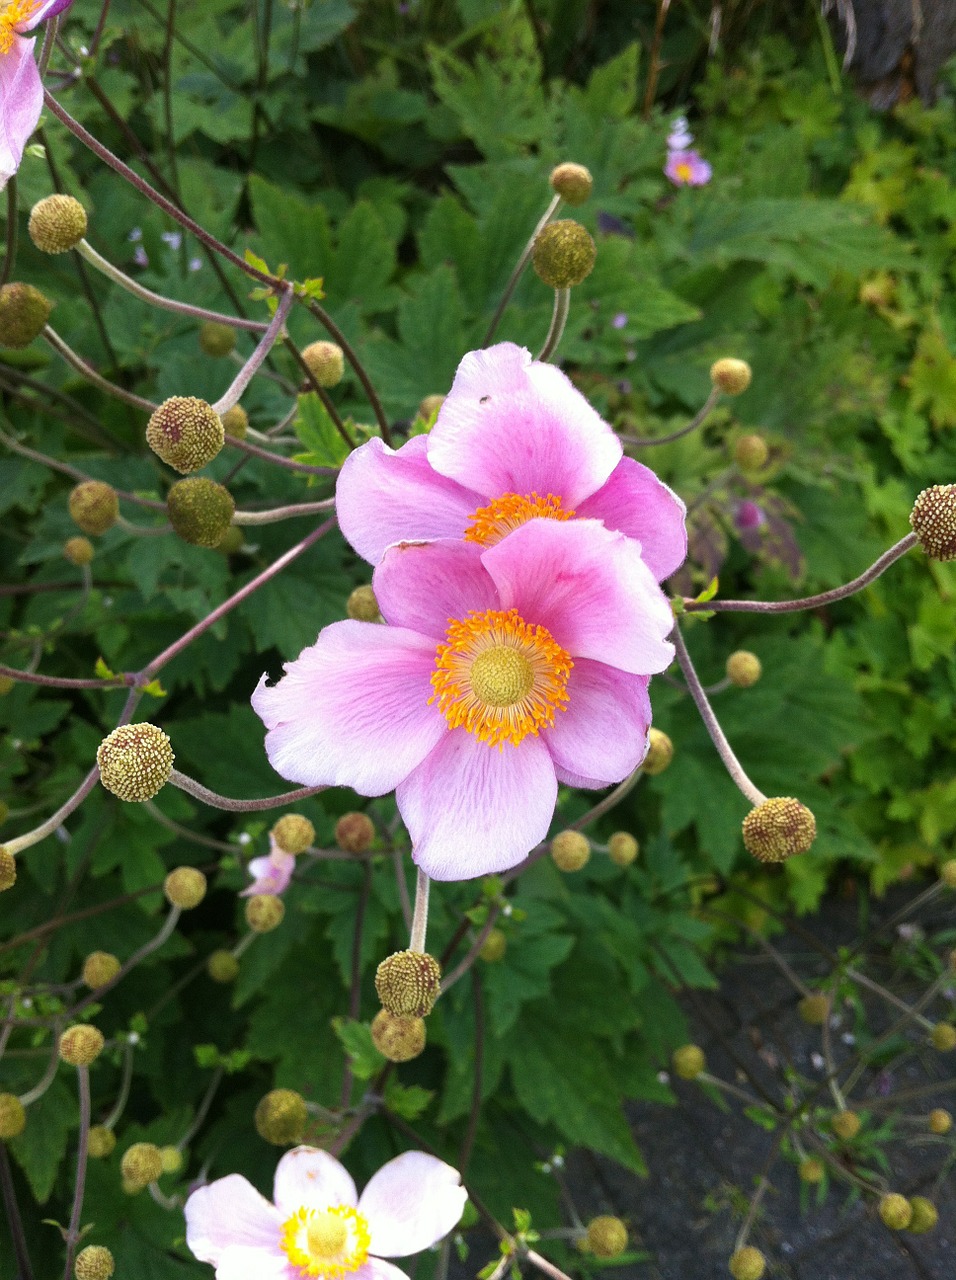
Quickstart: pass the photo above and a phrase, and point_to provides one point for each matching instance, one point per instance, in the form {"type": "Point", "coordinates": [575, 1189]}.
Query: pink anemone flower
{"type": "Point", "coordinates": [503, 671]}
{"type": "Point", "coordinates": [272, 873]}
{"type": "Point", "coordinates": [687, 169]}
{"type": "Point", "coordinates": [319, 1225]}
{"type": "Point", "coordinates": [514, 441]}
{"type": "Point", "coordinates": [21, 89]}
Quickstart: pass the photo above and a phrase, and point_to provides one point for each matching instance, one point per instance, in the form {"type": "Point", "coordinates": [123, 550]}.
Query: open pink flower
{"type": "Point", "coordinates": [503, 670]}
{"type": "Point", "coordinates": [21, 90]}
{"type": "Point", "coordinates": [318, 1225]}
{"type": "Point", "coordinates": [687, 169]}
{"type": "Point", "coordinates": [514, 441]}
{"type": "Point", "coordinates": [270, 874]}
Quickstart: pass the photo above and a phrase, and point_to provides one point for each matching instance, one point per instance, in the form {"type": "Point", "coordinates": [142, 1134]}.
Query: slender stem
{"type": "Point", "coordinates": [169, 924]}
{"type": "Point", "coordinates": [468, 1142]}
{"type": "Point", "coordinates": [827, 1046]}
{"type": "Point", "coordinates": [154, 810]}
{"type": "Point", "coordinates": [40, 1088]}
{"type": "Point", "coordinates": [320, 391]}
{"type": "Point", "coordinates": [355, 989]}
{"type": "Point", "coordinates": [899, 1025]}
{"type": "Point", "coordinates": [73, 472]}
{"type": "Point", "coordinates": [420, 917]}
{"type": "Point", "coordinates": [91, 375]}
{"type": "Point", "coordinates": [216, 801]}
{"type": "Point", "coordinates": [473, 952]}
{"type": "Point", "coordinates": [654, 64]}
{"type": "Point", "coordinates": [542, 1264]}
{"type": "Point", "coordinates": [697, 420]}
{"type": "Point", "coordinates": [49, 37]}
{"type": "Point", "coordinates": [61, 682]}
{"type": "Point", "coordinates": [559, 318]}
{"type": "Point", "coordinates": [282, 513]}
{"type": "Point", "coordinates": [263, 347]}
{"type": "Point", "coordinates": [14, 1221]}
{"type": "Point", "coordinates": [123, 1096]}
{"type": "Point", "coordinates": [399, 864]}
{"type": "Point", "coordinates": [519, 270]}
{"type": "Point", "coordinates": [73, 1231]}
{"type": "Point", "coordinates": [359, 369]}
{"type": "Point", "coordinates": [13, 223]}
{"type": "Point", "coordinates": [100, 25]}
{"type": "Point", "coordinates": [879, 990]}
{"type": "Point", "coordinates": [762, 1189]}
{"type": "Point", "coordinates": [47, 828]}
{"type": "Point", "coordinates": [268, 456]}
{"type": "Point", "coordinates": [203, 1111]}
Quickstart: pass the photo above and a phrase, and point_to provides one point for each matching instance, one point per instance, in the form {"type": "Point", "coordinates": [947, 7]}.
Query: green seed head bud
{"type": "Point", "coordinates": [623, 848]}
{"type": "Point", "coordinates": [216, 339]}
{"type": "Point", "coordinates": [362, 605]}
{"type": "Point", "coordinates": [429, 407]}
{"type": "Point", "coordinates": [606, 1237]}
{"type": "Point", "coordinates": [231, 541]}
{"type": "Point", "coordinates": [264, 912]}
{"type": "Point", "coordinates": [200, 510]}
{"type": "Point", "coordinates": [326, 362]}
{"type": "Point", "coordinates": [222, 966]}
{"type": "Point", "coordinates": [185, 432]}
{"type": "Point", "coordinates": [57, 223]}
{"type": "Point", "coordinates": [814, 1009]}
{"type": "Point", "coordinates": [570, 850]}
{"type": "Point", "coordinates": [398, 1039]}
{"type": "Point", "coordinates": [8, 869]}
{"type": "Point", "coordinates": [99, 968]}
{"type": "Point", "coordinates": [924, 1216]}
{"type": "Point", "coordinates": [895, 1211]}
{"type": "Point", "coordinates": [494, 946]}
{"type": "Point", "coordinates": [23, 313]}
{"type": "Point", "coordinates": [78, 551]}
{"type": "Point", "coordinates": [731, 376]}
{"type": "Point", "coordinates": [101, 1142]}
{"type": "Point", "coordinates": [751, 453]}
{"type": "Point", "coordinates": [95, 1262]}
{"type": "Point", "coordinates": [13, 1117]}
{"type": "Point", "coordinates": [185, 887]}
{"type": "Point", "coordinates": [141, 1165]}
{"type": "Point", "coordinates": [933, 520]}
{"type": "Point", "coordinates": [94, 506]}
{"type": "Point", "coordinates": [778, 829]}
{"type": "Point", "coordinates": [572, 182]}
{"type": "Point", "coordinates": [743, 669]}
{"type": "Point", "coordinates": [845, 1124]}
{"type": "Point", "coordinates": [81, 1044]}
{"type": "Point", "coordinates": [660, 752]}
{"type": "Point", "coordinates": [947, 873]}
{"type": "Point", "coordinates": [135, 761]}
{"type": "Point", "coordinates": [7, 684]}
{"type": "Point", "coordinates": [293, 833]}
{"type": "Point", "coordinates": [354, 832]}
{"type": "Point", "coordinates": [943, 1037]}
{"type": "Point", "coordinates": [408, 983]}
{"type": "Point", "coordinates": [563, 254]}
{"type": "Point", "coordinates": [172, 1159]}
{"type": "Point", "coordinates": [747, 1263]}
{"type": "Point", "coordinates": [235, 422]}
{"type": "Point", "coordinates": [811, 1170]}
{"type": "Point", "coordinates": [940, 1121]}
{"type": "Point", "coordinates": [281, 1117]}
{"type": "Point", "coordinates": [688, 1061]}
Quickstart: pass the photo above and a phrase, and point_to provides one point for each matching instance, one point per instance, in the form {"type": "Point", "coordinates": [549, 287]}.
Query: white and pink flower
{"type": "Point", "coordinates": [21, 89]}
{"type": "Point", "coordinates": [272, 873]}
{"type": "Point", "coordinates": [318, 1225]}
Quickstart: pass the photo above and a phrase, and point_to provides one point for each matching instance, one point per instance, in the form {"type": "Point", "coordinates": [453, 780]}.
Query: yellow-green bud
{"type": "Point", "coordinates": [814, 1009]}
{"type": "Point", "coordinates": [494, 946]}
{"type": "Point", "coordinates": [623, 848]}
{"type": "Point", "coordinates": [354, 832]}
{"type": "Point", "coordinates": [811, 1170]}
{"type": "Point", "coordinates": [606, 1236]}
{"type": "Point", "coordinates": [141, 1165]}
{"type": "Point", "coordinates": [264, 912]}
{"type": "Point", "coordinates": [100, 968]}
{"type": "Point", "coordinates": [200, 510]}
{"type": "Point", "coordinates": [172, 1159]}
{"type": "Point", "coordinates": [222, 966]}
{"type": "Point", "coordinates": [185, 432]}
{"type": "Point", "coordinates": [81, 1044]}
{"type": "Point", "coordinates": [947, 873]}
{"type": "Point", "coordinates": [7, 685]}
{"type": "Point", "coordinates": [563, 254]}
{"type": "Point", "coordinates": [731, 376]}
{"type": "Point", "coordinates": [570, 850]}
{"type": "Point", "coordinates": [8, 869]}
{"type": "Point", "coordinates": [13, 1117]}
{"type": "Point", "coordinates": [78, 551]}
{"type": "Point", "coordinates": [231, 541]}
{"type": "Point", "coordinates": [778, 829]}
{"type": "Point", "coordinates": [924, 1216]}
{"type": "Point", "coordinates": [95, 1262]}
{"type": "Point", "coordinates": [845, 1124]}
{"type": "Point", "coordinates": [325, 361]}
{"type": "Point", "coordinates": [940, 1121]}
{"type": "Point", "coordinates": [185, 887]}
{"type": "Point", "coordinates": [281, 1116]}
{"type": "Point", "coordinates": [743, 668]}
{"type": "Point", "coordinates": [747, 1263]}
{"type": "Point", "coordinates": [57, 223]}
{"type": "Point", "coordinates": [895, 1211]}
{"type": "Point", "coordinates": [101, 1142]}
{"type": "Point", "coordinates": [688, 1061]}
{"type": "Point", "coordinates": [943, 1037]}
{"type": "Point", "coordinates": [362, 605]}
{"type": "Point", "coordinates": [572, 182]}
{"type": "Point", "coordinates": [135, 761]}
{"type": "Point", "coordinates": [293, 833]}
{"type": "Point", "coordinates": [94, 506]}
{"type": "Point", "coordinates": [751, 452]}
{"type": "Point", "coordinates": [933, 520]}
{"type": "Point", "coordinates": [398, 1039]}
{"type": "Point", "coordinates": [235, 422]}
{"type": "Point", "coordinates": [660, 752]}
{"type": "Point", "coordinates": [23, 313]}
{"type": "Point", "coordinates": [429, 407]}
{"type": "Point", "coordinates": [408, 983]}
{"type": "Point", "coordinates": [216, 339]}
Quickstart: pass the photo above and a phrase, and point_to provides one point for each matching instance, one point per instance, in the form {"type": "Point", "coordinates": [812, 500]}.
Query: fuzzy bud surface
{"type": "Point", "coordinates": [731, 376]}
{"type": "Point", "coordinates": [142, 1164]}
{"type": "Point", "coordinates": [362, 605]}
{"type": "Point", "coordinates": [78, 551]}
{"type": "Point", "coordinates": [747, 1263]}
{"type": "Point", "coordinates": [81, 1044]}
{"type": "Point", "coordinates": [606, 1236]}
{"type": "Point", "coordinates": [235, 422]}
{"type": "Point", "coordinates": [281, 1117]}
{"type": "Point", "coordinates": [185, 432]}
{"type": "Point", "coordinates": [940, 1120]}
{"type": "Point", "coordinates": [924, 1216]}
{"type": "Point", "coordinates": [101, 1142]}
{"type": "Point", "coordinates": [933, 520]}
{"type": "Point", "coordinates": [264, 912]}
{"type": "Point", "coordinates": [660, 752]}
{"type": "Point", "coordinates": [408, 983]}
{"type": "Point", "coordinates": [494, 946]}
{"type": "Point", "coordinates": [751, 452]}
{"type": "Point", "coordinates": [688, 1061]}
{"type": "Point", "coordinates": [814, 1009]}
{"type": "Point", "coordinates": [778, 829]}
{"type": "Point", "coordinates": [572, 182]}
{"type": "Point", "coordinates": [743, 669]}
{"type": "Point", "coordinates": [398, 1039]}
{"type": "Point", "coordinates": [135, 761]}
{"type": "Point", "coordinates": [99, 968]}
{"type": "Point", "coordinates": [570, 850]}
{"type": "Point", "coordinates": [623, 848]}
{"type": "Point", "coordinates": [13, 1117]}
{"type": "Point", "coordinates": [200, 510]}
{"type": "Point", "coordinates": [222, 966]}
{"type": "Point", "coordinates": [216, 339]}
{"type": "Point", "coordinates": [185, 887]}
{"type": "Point", "coordinates": [895, 1211]}
{"type": "Point", "coordinates": [845, 1124]}
{"type": "Point", "coordinates": [24, 312]}
{"type": "Point", "coordinates": [94, 506]}
{"type": "Point", "coordinates": [95, 1262]}
{"type": "Point", "coordinates": [57, 223]}
{"type": "Point", "coordinates": [326, 362]}
{"type": "Point", "coordinates": [293, 833]}
{"type": "Point", "coordinates": [943, 1037]}
{"type": "Point", "coordinates": [354, 832]}
{"type": "Point", "coordinates": [564, 254]}
{"type": "Point", "coordinates": [8, 869]}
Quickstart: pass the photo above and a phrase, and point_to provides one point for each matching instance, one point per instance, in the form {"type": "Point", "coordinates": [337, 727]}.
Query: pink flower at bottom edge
{"type": "Point", "coordinates": [687, 169]}
{"type": "Point", "coordinates": [318, 1225]}
{"type": "Point", "coordinates": [21, 89]}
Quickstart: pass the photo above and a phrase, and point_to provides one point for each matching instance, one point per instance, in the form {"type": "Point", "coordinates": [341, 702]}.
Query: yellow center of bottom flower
{"type": "Point", "coordinates": [490, 524]}
{"type": "Point", "coordinates": [500, 677]}
{"type": "Point", "coordinates": [12, 15]}
{"type": "Point", "coordinates": [683, 171]}
{"type": "Point", "coordinates": [326, 1242]}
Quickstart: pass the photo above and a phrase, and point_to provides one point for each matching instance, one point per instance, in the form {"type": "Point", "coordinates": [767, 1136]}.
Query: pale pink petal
{"type": "Point", "coordinates": [423, 585]}
{"type": "Point", "coordinates": [379, 1269]}
{"type": "Point", "coordinates": [271, 874]}
{"type": "Point", "coordinates": [352, 710]}
{"type": "Point", "coordinates": [21, 101]}
{"type": "Point", "coordinates": [230, 1211]}
{"type": "Point", "coordinates": [385, 496]}
{"type": "Point", "coordinates": [602, 734]}
{"type": "Point", "coordinates": [471, 809]}
{"type": "Point", "coordinates": [511, 424]}
{"type": "Point", "coordinates": [44, 10]}
{"type": "Point", "coordinates": [240, 1263]}
{"type": "Point", "coordinates": [411, 1204]}
{"type": "Point", "coordinates": [307, 1178]}
{"type": "Point", "coordinates": [590, 588]}
{"type": "Point", "coordinates": [569, 779]}
{"type": "Point", "coordinates": [635, 502]}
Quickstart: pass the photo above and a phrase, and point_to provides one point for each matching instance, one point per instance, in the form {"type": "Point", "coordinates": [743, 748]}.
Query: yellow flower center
{"type": "Point", "coordinates": [490, 524]}
{"type": "Point", "coordinates": [500, 677]}
{"type": "Point", "coordinates": [331, 1242]}
{"type": "Point", "coordinates": [684, 171]}
{"type": "Point", "coordinates": [12, 15]}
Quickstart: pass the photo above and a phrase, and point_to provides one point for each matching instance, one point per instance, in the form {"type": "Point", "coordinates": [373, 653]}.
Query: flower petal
{"type": "Point", "coordinates": [239, 1263]}
{"type": "Point", "coordinates": [271, 874]}
{"type": "Point", "coordinates": [379, 1269]}
{"type": "Point", "coordinates": [352, 710]}
{"type": "Point", "coordinates": [21, 101]}
{"type": "Point", "coordinates": [602, 734]}
{"type": "Point", "coordinates": [385, 495]}
{"type": "Point", "coordinates": [423, 585]}
{"type": "Point", "coordinates": [590, 588]}
{"type": "Point", "coordinates": [511, 424]}
{"type": "Point", "coordinates": [635, 502]}
{"type": "Point", "coordinates": [411, 1204]}
{"type": "Point", "coordinates": [307, 1178]}
{"type": "Point", "coordinates": [471, 809]}
{"type": "Point", "coordinates": [47, 9]}
{"type": "Point", "coordinates": [230, 1211]}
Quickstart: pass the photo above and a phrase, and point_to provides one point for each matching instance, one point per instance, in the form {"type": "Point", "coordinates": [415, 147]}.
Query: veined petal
{"type": "Point", "coordinates": [511, 424]}
{"type": "Point", "coordinates": [230, 1212]}
{"type": "Point", "coordinates": [423, 585]}
{"type": "Point", "coordinates": [602, 733]}
{"type": "Point", "coordinates": [307, 1178]}
{"type": "Point", "coordinates": [635, 502]}
{"type": "Point", "coordinates": [46, 9]}
{"type": "Point", "coordinates": [471, 809]}
{"type": "Point", "coordinates": [21, 101]}
{"type": "Point", "coordinates": [352, 710]}
{"type": "Point", "coordinates": [411, 1203]}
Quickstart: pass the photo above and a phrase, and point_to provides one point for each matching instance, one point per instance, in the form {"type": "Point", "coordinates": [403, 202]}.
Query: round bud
{"type": "Point", "coordinates": [660, 752]}
{"type": "Point", "coordinates": [141, 1165]}
{"type": "Point", "coordinates": [95, 1262]}
{"type": "Point", "coordinates": [570, 850]}
{"type": "Point", "coordinates": [101, 1142]}
{"type": "Point", "coordinates": [940, 1121]}
{"type": "Point", "coordinates": [408, 983]}
{"type": "Point", "coordinates": [281, 1116]}
{"type": "Point", "coordinates": [222, 966]}
{"type": "Point", "coordinates": [814, 1009]}
{"type": "Point", "coordinates": [623, 848]}
{"type": "Point", "coordinates": [231, 541]}
{"type": "Point", "coordinates": [895, 1211]}
{"type": "Point", "coordinates": [845, 1124]}
{"type": "Point", "coordinates": [78, 551]}
{"type": "Point", "coordinates": [572, 182]}
{"type": "Point", "coordinates": [494, 946]}
{"type": "Point", "coordinates": [362, 605]}
{"type": "Point", "coordinates": [933, 520]}
{"type": "Point", "coordinates": [743, 669]}
{"type": "Point", "coordinates": [751, 452]}
{"type": "Point", "coordinates": [185, 432]}
{"type": "Point", "coordinates": [216, 339]}
{"type": "Point", "coordinates": [747, 1263]}
{"type": "Point", "coordinates": [172, 1159]}
{"type": "Point", "coordinates": [8, 869]}
{"type": "Point", "coordinates": [94, 506]}
{"type": "Point", "coordinates": [688, 1061]}
{"type": "Point", "coordinates": [264, 912]}
{"type": "Point", "coordinates": [81, 1044]}
{"type": "Point", "coordinates": [731, 376]}
{"type": "Point", "coordinates": [429, 407]}
{"type": "Point", "coordinates": [13, 1117]}
{"type": "Point", "coordinates": [325, 361]}
{"type": "Point", "coordinates": [100, 968]}
{"type": "Point", "coordinates": [185, 887]}
{"type": "Point", "coordinates": [947, 873]}
{"type": "Point", "coordinates": [398, 1039]}
{"type": "Point", "coordinates": [57, 223]}
{"type": "Point", "coordinates": [943, 1037]}
{"type": "Point", "coordinates": [563, 254]}
{"type": "Point", "coordinates": [135, 761]}
{"type": "Point", "coordinates": [200, 510]}
{"type": "Point", "coordinates": [293, 833]}
{"type": "Point", "coordinates": [235, 422]}
{"type": "Point", "coordinates": [354, 832]}
{"type": "Point", "coordinates": [7, 684]}
{"type": "Point", "coordinates": [811, 1170]}
{"type": "Point", "coordinates": [606, 1237]}
{"type": "Point", "coordinates": [778, 829]}
{"type": "Point", "coordinates": [924, 1215]}
{"type": "Point", "coordinates": [23, 313]}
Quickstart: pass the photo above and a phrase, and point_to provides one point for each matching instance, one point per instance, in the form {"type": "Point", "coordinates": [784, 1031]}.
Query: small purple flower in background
{"type": "Point", "coordinates": [195, 264]}
{"type": "Point", "coordinates": [172, 238]}
{"type": "Point", "coordinates": [687, 169]}
{"type": "Point", "coordinates": [272, 873]}
{"type": "Point", "coordinates": [680, 137]}
{"type": "Point", "coordinates": [140, 256]}
{"type": "Point", "coordinates": [21, 89]}
{"type": "Point", "coordinates": [749, 516]}
{"type": "Point", "coordinates": [620, 320]}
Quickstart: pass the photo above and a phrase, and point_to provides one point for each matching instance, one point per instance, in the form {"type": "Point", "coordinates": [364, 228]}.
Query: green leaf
{"type": "Point", "coordinates": [43, 1144]}
{"type": "Point", "coordinates": [356, 1039]}
{"type": "Point", "coordinates": [315, 428]}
